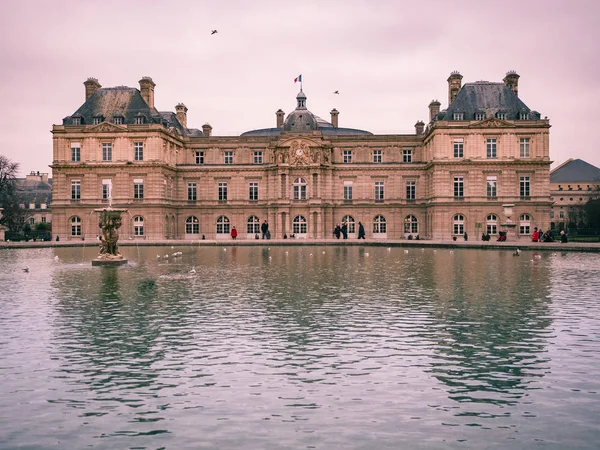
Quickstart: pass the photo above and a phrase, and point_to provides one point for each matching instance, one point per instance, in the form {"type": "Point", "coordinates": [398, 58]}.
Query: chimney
{"type": "Point", "coordinates": [512, 81]}
{"type": "Point", "coordinates": [334, 117]}
{"type": "Point", "coordinates": [91, 86]}
{"type": "Point", "coordinates": [454, 85]}
{"type": "Point", "coordinates": [206, 130]}
{"type": "Point", "coordinates": [147, 90]}
{"type": "Point", "coordinates": [419, 127]}
{"type": "Point", "coordinates": [181, 111]}
{"type": "Point", "coordinates": [434, 109]}
{"type": "Point", "coordinates": [279, 115]}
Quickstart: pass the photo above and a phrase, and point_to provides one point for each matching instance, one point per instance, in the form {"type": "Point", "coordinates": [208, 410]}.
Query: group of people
{"type": "Point", "coordinates": [264, 229]}
{"type": "Point", "coordinates": [342, 231]}
{"type": "Point", "coordinates": [541, 236]}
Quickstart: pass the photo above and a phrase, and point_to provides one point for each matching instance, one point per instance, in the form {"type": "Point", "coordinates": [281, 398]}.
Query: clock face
{"type": "Point", "coordinates": [299, 152]}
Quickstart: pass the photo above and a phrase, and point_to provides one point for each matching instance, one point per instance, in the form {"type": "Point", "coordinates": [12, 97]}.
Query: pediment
{"type": "Point", "coordinates": [106, 127]}
{"type": "Point", "coordinates": [492, 123]}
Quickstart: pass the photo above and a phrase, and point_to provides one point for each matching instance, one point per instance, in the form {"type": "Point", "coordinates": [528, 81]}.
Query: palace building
{"type": "Point", "coordinates": [479, 166]}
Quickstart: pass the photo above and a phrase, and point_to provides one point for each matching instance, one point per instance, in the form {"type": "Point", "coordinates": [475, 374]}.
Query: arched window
{"type": "Point", "coordinates": [299, 225]}
{"type": "Point", "coordinates": [299, 189]}
{"type": "Point", "coordinates": [222, 225]}
{"type": "Point", "coordinates": [253, 225]}
{"type": "Point", "coordinates": [138, 226]}
{"type": "Point", "coordinates": [411, 224]}
{"type": "Point", "coordinates": [458, 224]}
{"type": "Point", "coordinates": [525, 224]}
{"type": "Point", "coordinates": [192, 225]}
{"type": "Point", "coordinates": [379, 225]}
{"type": "Point", "coordinates": [491, 225]}
{"type": "Point", "coordinates": [75, 226]}
{"type": "Point", "coordinates": [349, 220]}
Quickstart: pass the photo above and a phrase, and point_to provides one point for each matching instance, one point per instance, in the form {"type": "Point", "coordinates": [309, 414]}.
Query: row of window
{"type": "Point", "coordinates": [107, 151]}
{"type": "Point", "coordinates": [117, 120]}
{"type": "Point", "coordinates": [299, 225]}
{"type": "Point", "coordinates": [299, 189]}
{"type": "Point", "coordinates": [482, 116]}
{"type": "Point", "coordinates": [491, 146]}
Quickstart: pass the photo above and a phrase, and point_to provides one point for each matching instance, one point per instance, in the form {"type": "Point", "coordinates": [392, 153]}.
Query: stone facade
{"type": "Point", "coordinates": [455, 175]}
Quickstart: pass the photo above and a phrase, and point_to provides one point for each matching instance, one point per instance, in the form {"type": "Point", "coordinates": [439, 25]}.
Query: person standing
{"type": "Point", "coordinates": [361, 231]}
{"type": "Point", "coordinates": [345, 230]}
{"type": "Point", "coordinates": [535, 236]}
{"type": "Point", "coordinates": [264, 228]}
{"type": "Point", "coordinates": [337, 231]}
{"type": "Point", "coordinates": [233, 233]}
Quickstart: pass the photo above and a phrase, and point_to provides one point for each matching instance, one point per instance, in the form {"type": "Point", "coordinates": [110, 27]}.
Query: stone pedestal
{"type": "Point", "coordinates": [110, 222]}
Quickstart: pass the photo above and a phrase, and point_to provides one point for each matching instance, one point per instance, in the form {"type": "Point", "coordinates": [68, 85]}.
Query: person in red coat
{"type": "Point", "coordinates": [535, 237]}
{"type": "Point", "coordinates": [233, 233]}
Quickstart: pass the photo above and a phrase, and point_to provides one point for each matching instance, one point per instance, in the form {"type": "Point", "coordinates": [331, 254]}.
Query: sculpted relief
{"type": "Point", "coordinates": [301, 153]}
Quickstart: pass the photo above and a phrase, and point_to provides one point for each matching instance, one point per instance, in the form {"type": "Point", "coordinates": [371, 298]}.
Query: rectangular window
{"type": "Point", "coordinates": [407, 155]}
{"type": "Point", "coordinates": [379, 190]}
{"type": "Point", "coordinates": [411, 190]}
{"type": "Point", "coordinates": [192, 192]}
{"type": "Point", "coordinates": [253, 191]}
{"type": "Point", "coordinates": [138, 188]}
{"type": "Point", "coordinates": [347, 190]}
{"type": "Point", "coordinates": [377, 156]}
{"type": "Point", "coordinates": [491, 186]}
{"type": "Point", "coordinates": [75, 151]}
{"type": "Point", "coordinates": [199, 157]}
{"type": "Point", "coordinates": [75, 190]}
{"type": "Point", "coordinates": [523, 116]}
{"type": "Point", "coordinates": [258, 157]}
{"type": "Point", "coordinates": [561, 214]}
{"type": "Point", "coordinates": [96, 120]}
{"type": "Point", "coordinates": [459, 116]}
{"type": "Point", "coordinates": [491, 148]}
{"type": "Point", "coordinates": [139, 120]}
{"type": "Point", "coordinates": [501, 115]}
{"type": "Point", "coordinates": [228, 157]}
{"type": "Point", "coordinates": [138, 151]}
{"type": "Point", "coordinates": [524, 147]}
{"type": "Point", "coordinates": [106, 189]}
{"type": "Point", "coordinates": [459, 148]}
{"type": "Point", "coordinates": [347, 156]}
{"type": "Point", "coordinates": [459, 186]}
{"type": "Point", "coordinates": [106, 151]}
{"type": "Point", "coordinates": [43, 219]}
{"type": "Point", "coordinates": [524, 187]}
{"type": "Point", "coordinates": [118, 120]}
{"type": "Point", "coordinates": [76, 121]}
{"type": "Point", "coordinates": [222, 191]}
{"type": "Point", "coordinates": [479, 116]}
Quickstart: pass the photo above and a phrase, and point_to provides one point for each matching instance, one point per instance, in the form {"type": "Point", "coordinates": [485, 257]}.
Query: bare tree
{"type": "Point", "coordinates": [12, 215]}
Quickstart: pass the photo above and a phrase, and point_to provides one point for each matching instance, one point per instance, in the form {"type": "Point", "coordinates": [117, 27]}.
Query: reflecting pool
{"type": "Point", "coordinates": [299, 347]}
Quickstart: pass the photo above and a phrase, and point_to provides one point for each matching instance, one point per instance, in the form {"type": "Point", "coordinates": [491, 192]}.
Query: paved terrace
{"type": "Point", "coordinates": [491, 245]}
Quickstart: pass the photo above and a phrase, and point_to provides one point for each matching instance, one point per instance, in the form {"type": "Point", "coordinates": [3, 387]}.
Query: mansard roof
{"type": "Point", "coordinates": [489, 98]}
{"type": "Point", "coordinates": [575, 171]}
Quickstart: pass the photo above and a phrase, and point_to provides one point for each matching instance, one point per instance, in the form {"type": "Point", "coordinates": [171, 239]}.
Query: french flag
{"type": "Point", "coordinates": [298, 79]}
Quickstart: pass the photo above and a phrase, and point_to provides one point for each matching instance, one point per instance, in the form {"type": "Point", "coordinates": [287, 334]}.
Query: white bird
{"type": "Point", "coordinates": [166, 256]}
{"type": "Point", "coordinates": [311, 254]}
{"type": "Point", "coordinates": [224, 249]}
{"type": "Point", "coordinates": [366, 254]}
{"type": "Point", "coordinates": [270, 257]}
{"type": "Point", "coordinates": [422, 249]}
{"type": "Point", "coordinates": [56, 258]}
{"type": "Point", "coordinates": [389, 249]}
{"type": "Point", "coordinates": [405, 251]}
{"type": "Point", "coordinates": [517, 252]}
{"type": "Point", "coordinates": [451, 251]}
{"type": "Point", "coordinates": [286, 253]}
{"type": "Point", "coordinates": [157, 256]}
{"type": "Point", "coordinates": [323, 251]}
{"type": "Point", "coordinates": [192, 270]}
{"type": "Point", "coordinates": [434, 251]}
{"type": "Point", "coordinates": [536, 256]}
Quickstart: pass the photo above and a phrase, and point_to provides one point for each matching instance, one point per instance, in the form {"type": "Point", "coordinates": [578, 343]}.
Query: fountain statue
{"type": "Point", "coordinates": [110, 222]}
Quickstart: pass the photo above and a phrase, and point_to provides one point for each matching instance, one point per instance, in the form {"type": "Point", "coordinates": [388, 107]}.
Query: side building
{"type": "Point", "coordinates": [479, 166]}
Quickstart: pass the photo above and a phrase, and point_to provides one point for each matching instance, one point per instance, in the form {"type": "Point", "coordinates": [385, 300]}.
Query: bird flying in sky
{"type": "Point", "coordinates": [214, 32]}
{"type": "Point", "coordinates": [336, 92]}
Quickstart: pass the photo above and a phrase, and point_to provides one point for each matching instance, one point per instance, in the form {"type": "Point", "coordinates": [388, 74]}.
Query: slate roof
{"type": "Point", "coordinates": [489, 98]}
{"type": "Point", "coordinates": [575, 171]}
{"type": "Point", "coordinates": [128, 103]}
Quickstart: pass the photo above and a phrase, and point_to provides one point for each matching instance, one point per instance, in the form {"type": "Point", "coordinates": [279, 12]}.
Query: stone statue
{"type": "Point", "coordinates": [110, 222]}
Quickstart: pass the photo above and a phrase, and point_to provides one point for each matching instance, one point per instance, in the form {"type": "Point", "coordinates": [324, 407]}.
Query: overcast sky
{"type": "Point", "coordinates": [388, 60]}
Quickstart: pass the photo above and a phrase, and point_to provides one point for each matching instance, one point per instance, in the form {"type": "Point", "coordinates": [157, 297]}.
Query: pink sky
{"type": "Point", "coordinates": [388, 59]}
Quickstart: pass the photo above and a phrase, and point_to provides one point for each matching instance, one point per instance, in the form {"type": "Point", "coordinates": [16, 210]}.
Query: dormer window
{"type": "Point", "coordinates": [560, 188]}
{"type": "Point", "coordinates": [118, 120]}
{"type": "Point", "coordinates": [501, 115]}
{"type": "Point", "coordinates": [459, 116]}
{"type": "Point", "coordinates": [139, 120]}
{"type": "Point", "coordinates": [97, 120]}
{"type": "Point", "coordinates": [479, 116]}
{"type": "Point", "coordinates": [76, 121]}
{"type": "Point", "coordinates": [523, 116]}
{"type": "Point", "coordinates": [570, 188]}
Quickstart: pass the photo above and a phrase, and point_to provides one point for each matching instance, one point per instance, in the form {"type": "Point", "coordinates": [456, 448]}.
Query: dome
{"type": "Point", "coordinates": [301, 119]}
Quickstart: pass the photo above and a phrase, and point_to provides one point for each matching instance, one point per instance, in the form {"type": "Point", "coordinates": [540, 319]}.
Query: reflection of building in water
{"type": "Point", "coordinates": [495, 317]}
{"type": "Point", "coordinates": [450, 177]}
